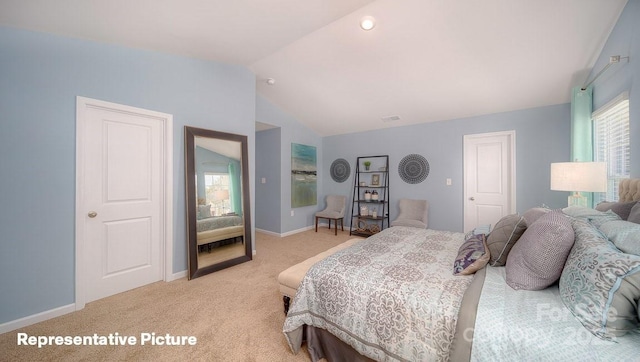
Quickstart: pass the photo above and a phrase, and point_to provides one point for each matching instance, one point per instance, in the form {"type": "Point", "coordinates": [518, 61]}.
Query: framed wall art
{"type": "Point", "coordinates": [303, 175]}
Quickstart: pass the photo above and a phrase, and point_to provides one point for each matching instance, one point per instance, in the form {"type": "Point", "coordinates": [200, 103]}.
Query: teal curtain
{"type": "Point", "coordinates": [582, 129]}
{"type": "Point", "coordinates": [235, 189]}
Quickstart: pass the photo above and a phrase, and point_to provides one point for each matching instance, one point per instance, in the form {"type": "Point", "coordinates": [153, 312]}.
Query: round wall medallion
{"type": "Point", "coordinates": [413, 169]}
{"type": "Point", "coordinates": [340, 170]}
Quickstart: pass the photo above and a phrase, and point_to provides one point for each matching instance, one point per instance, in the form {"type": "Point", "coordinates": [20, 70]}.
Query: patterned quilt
{"type": "Point", "coordinates": [391, 297]}
{"type": "Point", "coordinates": [217, 222]}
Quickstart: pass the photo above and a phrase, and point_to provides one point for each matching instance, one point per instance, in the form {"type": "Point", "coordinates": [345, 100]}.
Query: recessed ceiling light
{"type": "Point", "coordinates": [367, 22]}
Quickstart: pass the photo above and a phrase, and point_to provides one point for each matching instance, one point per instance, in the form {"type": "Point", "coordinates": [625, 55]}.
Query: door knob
{"type": "Point", "coordinates": [92, 214]}
{"type": "Point", "coordinates": [472, 198]}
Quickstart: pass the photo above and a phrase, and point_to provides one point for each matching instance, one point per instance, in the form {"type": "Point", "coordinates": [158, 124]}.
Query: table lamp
{"type": "Point", "coordinates": [221, 196]}
{"type": "Point", "coordinates": [579, 177]}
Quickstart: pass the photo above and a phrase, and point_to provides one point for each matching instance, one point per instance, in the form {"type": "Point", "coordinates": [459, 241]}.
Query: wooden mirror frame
{"type": "Point", "coordinates": [190, 134]}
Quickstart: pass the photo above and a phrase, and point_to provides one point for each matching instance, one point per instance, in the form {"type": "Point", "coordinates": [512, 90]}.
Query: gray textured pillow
{"type": "Point", "coordinates": [534, 213]}
{"type": "Point", "coordinates": [623, 209]}
{"type": "Point", "coordinates": [537, 259]}
{"type": "Point", "coordinates": [505, 234]}
{"type": "Point", "coordinates": [634, 215]}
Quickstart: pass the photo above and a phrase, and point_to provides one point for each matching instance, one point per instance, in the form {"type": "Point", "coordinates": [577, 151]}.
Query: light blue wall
{"type": "Point", "coordinates": [624, 41]}
{"type": "Point", "coordinates": [268, 166]}
{"type": "Point", "coordinates": [542, 137]}
{"type": "Point", "coordinates": [41, 74]}
{"type": "Point", "coordinates": [291, 132]}
{"type": "Point", "coordinates": [40, 77]}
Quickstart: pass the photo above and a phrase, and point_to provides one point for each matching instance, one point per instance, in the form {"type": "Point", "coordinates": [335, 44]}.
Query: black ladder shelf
{"type": "Point", "coordinates": [370, 201]}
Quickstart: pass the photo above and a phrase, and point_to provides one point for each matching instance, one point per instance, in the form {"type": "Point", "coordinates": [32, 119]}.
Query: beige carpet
{"type": "Point", "coordinates": [236, 314]}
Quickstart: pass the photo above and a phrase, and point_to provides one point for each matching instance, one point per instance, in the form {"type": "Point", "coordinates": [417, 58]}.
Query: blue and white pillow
{"type": "Point", "coordinates": [600, 284]}
{"type": "Point", "coordinates": [625, 235]}
{"type": "Point", "coordinates": [594, 216]}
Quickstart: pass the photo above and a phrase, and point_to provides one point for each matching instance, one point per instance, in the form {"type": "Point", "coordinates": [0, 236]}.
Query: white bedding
{"type": "Point", "coordinates": [547, 331]}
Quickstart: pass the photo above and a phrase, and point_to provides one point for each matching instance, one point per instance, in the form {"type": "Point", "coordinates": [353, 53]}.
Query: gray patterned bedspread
{"type": "Point", "coordinates": [218, 222]}
{"type": "Point", "coordinates": [391, 297]}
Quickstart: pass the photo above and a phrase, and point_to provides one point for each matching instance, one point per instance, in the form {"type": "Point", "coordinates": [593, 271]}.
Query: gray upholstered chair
{"type": "Point", "coordinates": [333, 211]}
{"type": "Point", "coordinates": [413, 213]}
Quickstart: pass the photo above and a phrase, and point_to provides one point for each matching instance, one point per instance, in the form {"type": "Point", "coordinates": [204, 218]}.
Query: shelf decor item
{"type": "Point", "coordinates": [367, 164]}
{"type": "Point", "coordinates": [340, 170]}
{"type": "Point", "coordinates": [413, 169]}
{"type": "Point", "coordinates": [373, 228]}
{"type": "Point", "coordinates": [375, 179]}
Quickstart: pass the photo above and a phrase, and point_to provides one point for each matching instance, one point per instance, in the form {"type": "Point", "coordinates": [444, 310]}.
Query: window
{"type": "Point", "coordinates": [217, 192]}
{"type": "Point", "coordinates": [611, 143]}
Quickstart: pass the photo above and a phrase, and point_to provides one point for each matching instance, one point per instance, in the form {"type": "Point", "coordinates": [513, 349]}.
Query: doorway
{"type": "Point", "coordinates": [489, 178]}
{"type": "Point", "coordinates": [124, 198]}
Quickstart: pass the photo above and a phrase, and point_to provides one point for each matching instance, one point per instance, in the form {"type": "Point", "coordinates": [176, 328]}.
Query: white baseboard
{"type": "Point", "coordinates": [176, 276]}
{"type": "Point", "coordinates": [268, 232]}
{"type": "Point", "coordinates": [37, 318]}
{"type": "Point", "coordinates": [281, 235]}
{"type": "Point", "coordinates": [292, 232]}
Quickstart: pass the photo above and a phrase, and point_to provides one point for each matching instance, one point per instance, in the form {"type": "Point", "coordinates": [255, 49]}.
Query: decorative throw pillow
{"type": "Point", "coordinates": [204, 211]}
{"type": "Point", "coordinates": [594, 216]}
{"type": "Point", "coordinates": [473, 255]}
{"type": "Point", "coordinates": [622, 209]}
{"type": "Point", "coordinates": [624, 235]}
{"type": "Point", "coordinates": [530, 216]}
{"type": "Point", "coordinates": [480, 229]}
{"type": "Point", "coordinates": [634, 215]}
{"type": "Point", "coordinates": [500, 241]}
{"type": "Point", "coordinates": [601, 285]}
{"type": "Point", "coordinates": [537, 259]}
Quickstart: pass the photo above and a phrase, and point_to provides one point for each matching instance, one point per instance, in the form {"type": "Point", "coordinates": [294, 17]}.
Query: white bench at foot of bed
{"type": "Point", "coordinates": [290, 279]}
{"type": "Point", "coordinates": [209, 236]}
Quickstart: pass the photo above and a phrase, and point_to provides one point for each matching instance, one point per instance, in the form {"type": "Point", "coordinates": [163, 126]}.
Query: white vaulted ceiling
{"type": "Point", "coordinates": [425, 60]}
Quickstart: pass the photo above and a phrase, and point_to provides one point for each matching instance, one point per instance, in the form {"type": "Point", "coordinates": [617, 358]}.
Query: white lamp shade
{"type": "Point", "coordinates": [579, 176]}
{"type": "Point", "coordinates": [221, 194]}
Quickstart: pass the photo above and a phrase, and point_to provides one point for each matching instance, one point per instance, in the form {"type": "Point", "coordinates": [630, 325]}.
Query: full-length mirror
{"type": "Point", "coordinates": [217, 193]}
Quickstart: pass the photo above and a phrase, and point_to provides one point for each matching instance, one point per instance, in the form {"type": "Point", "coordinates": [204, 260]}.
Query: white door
{"type": "Point", "coordinates": [121, 198]}
{"type": "Point", "coordinates": [489, 178]}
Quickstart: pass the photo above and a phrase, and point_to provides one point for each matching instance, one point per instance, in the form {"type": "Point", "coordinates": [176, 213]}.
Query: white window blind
{"type": "Point", "coordinates": [611, 143]}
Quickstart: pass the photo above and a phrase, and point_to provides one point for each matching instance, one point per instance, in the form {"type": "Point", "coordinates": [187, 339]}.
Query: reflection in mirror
{"type": "Point", "coordinates": [217, 193]}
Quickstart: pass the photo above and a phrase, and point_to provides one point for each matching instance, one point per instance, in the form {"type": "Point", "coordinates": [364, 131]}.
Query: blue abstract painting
{"type": "Point", "coordinates": [303, 175]}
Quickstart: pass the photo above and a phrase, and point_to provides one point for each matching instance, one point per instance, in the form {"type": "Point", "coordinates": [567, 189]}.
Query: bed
{"type": "Point", "coordinates": [216, 230]}
{"type": "Point", "coordinates": [394, 297]}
